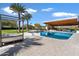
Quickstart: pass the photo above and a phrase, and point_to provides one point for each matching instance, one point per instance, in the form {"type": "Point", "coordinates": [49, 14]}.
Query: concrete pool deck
{"type": "Point", "coordinates": [43, 46]}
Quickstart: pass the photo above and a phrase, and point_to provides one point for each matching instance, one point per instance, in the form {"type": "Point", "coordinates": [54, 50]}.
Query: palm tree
{"type": "Point", "coordinates": [19, 9]}
{"type": "Point", "coordinates": [27, 17]}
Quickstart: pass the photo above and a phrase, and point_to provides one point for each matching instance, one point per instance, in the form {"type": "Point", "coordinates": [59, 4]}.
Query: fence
{"type": "Point", "coordinates": [9, 37]}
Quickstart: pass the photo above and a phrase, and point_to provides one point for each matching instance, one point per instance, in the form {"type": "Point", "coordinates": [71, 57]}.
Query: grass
{"type": "Point", "coordinates": [11, 31]}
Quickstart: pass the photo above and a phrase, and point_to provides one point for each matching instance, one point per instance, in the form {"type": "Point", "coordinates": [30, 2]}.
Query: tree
{"type": "Point", "coordinates": [27, 17]}
{"type": "Point", "coordinates": [8, 24]}
{"type": "Point", "coordinates": [37, 26]}
{"type": "Point", "coordinates": [19, 9]}
{"type": "Point", "coordinates": [31, 27]}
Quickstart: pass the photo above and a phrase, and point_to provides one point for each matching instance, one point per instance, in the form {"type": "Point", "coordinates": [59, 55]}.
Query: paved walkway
{"type": "Point", "coordinates": [38, 46]}
{"type": "Point", "coordinates": [51, 48]}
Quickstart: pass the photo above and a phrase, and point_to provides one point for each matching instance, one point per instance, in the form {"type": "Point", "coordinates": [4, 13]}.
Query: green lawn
{"type": "Point", "coordinates": [11, 31]}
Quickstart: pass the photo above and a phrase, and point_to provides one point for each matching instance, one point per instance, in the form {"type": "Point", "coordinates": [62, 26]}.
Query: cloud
{"type": "Point", "coordinates": [62, 14]}
{"type": "Point", "coordinates": [7, 9]}
{"type": "Point", "coordinates": [31, 10]}
{"type": "Point", "coordinates": [47, 10]}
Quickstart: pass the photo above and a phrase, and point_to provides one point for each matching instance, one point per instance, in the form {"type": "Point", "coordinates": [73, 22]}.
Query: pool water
{"type": "Point", "coordinates": [57, 35]}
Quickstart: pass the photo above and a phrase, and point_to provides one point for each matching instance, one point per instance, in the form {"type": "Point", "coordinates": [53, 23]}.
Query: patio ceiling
{"type": "Point", "coordinates": [66, 22]}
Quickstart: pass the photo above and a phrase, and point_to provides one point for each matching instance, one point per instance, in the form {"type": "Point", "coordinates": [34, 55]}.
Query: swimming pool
{"type": "Point", "coordinates": [57, 35]}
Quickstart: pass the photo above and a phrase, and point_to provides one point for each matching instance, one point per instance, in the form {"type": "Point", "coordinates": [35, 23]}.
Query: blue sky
{"type": "Point", "coordinates": [42, 12]}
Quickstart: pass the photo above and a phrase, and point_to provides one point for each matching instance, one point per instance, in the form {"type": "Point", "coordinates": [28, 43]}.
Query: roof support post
{"type": "Point", "coordinates": [0, 32]}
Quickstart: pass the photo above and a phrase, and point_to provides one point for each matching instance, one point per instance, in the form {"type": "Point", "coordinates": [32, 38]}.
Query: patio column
{"type": "Point", "coordinates": [47, 27]}
{"type": "Point", "coordinates": [78, 20]}
{"type": "Point", "coordinates": [0, 32]}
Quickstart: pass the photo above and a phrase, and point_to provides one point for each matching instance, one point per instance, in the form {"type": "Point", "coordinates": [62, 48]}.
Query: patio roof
{"type": "Point", "coordinates": [65, 22]}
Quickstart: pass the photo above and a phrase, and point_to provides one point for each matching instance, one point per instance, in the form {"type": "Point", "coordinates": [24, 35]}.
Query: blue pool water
{"type": "Point", "coordinates": [57, 35]}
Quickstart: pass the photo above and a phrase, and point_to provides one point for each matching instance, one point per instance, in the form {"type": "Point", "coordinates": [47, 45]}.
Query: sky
{"type": "Point", "coordinates": [42, 12]}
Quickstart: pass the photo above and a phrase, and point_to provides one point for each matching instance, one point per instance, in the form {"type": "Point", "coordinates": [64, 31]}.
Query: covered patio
{"type": "Point", "coordinates": [65, 23]}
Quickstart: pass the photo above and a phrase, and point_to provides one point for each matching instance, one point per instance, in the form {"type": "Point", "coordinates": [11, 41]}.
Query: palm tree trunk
{"type": "Point", "coordinates": [23, 29]}
{"type": "Point", "coordinates": [19, 22]}
{"type": "Point", "coordinates": [23, 26]}
{"type": "Point", "coordinates": [27, 26]}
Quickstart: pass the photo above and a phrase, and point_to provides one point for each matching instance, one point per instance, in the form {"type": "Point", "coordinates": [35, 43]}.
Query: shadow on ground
{"type": "Point", "coordinates": [27, 43]}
